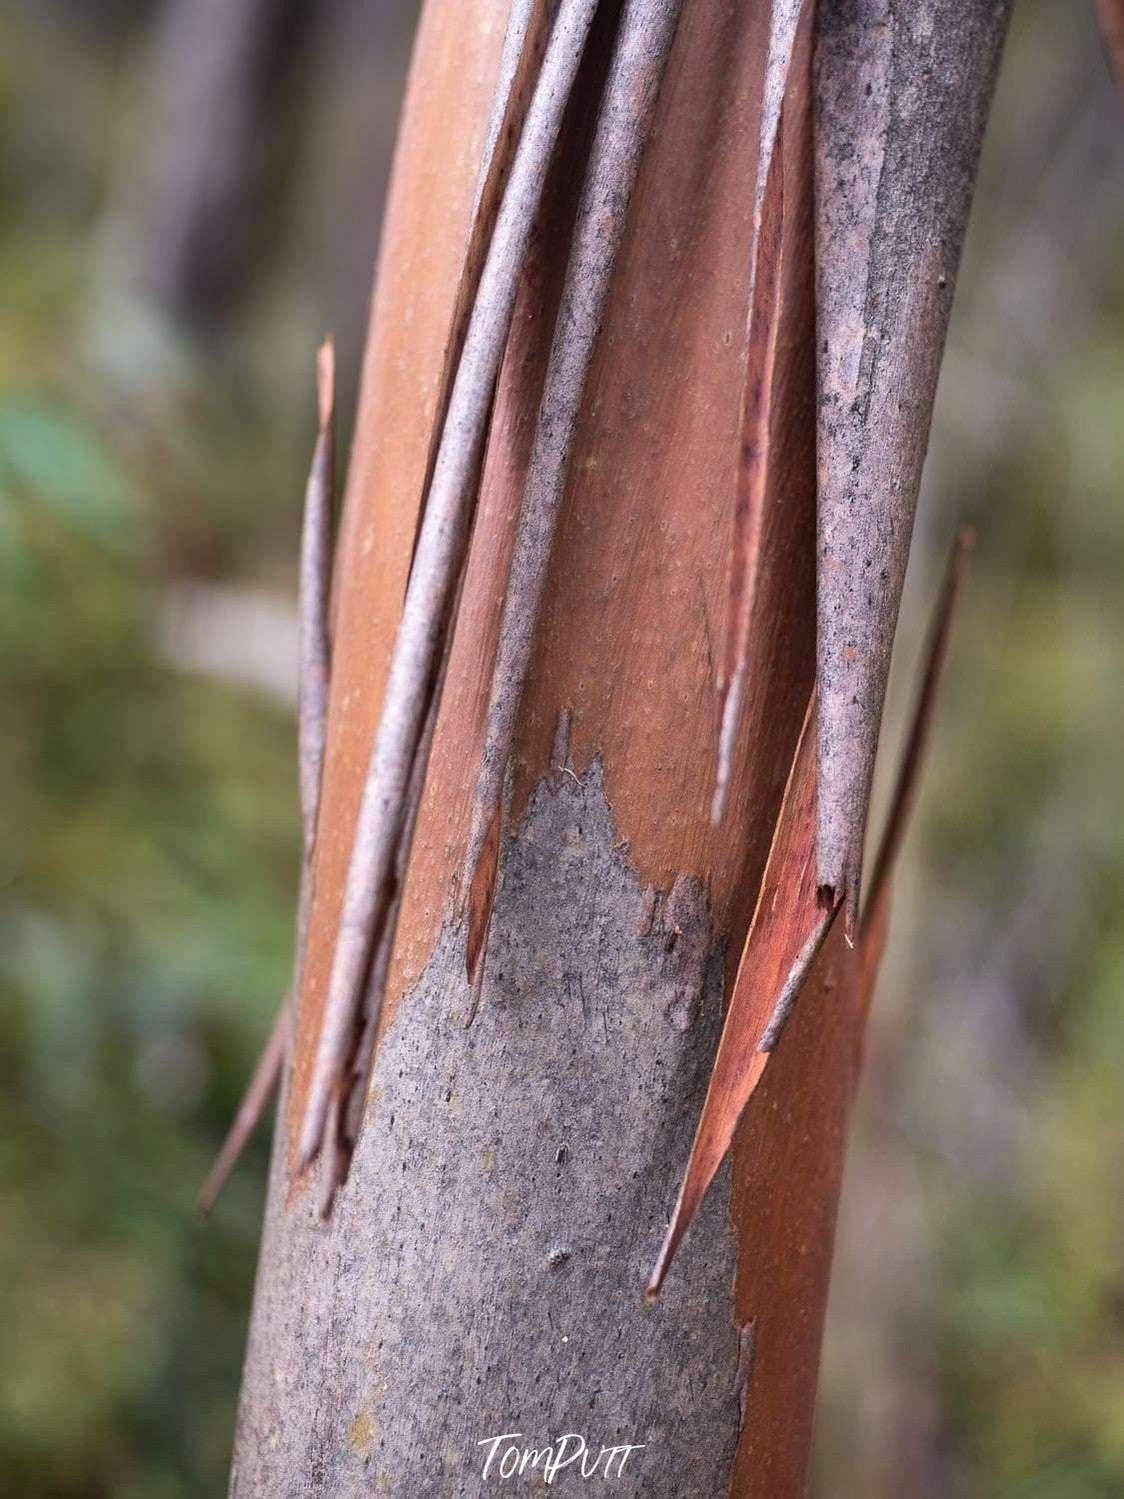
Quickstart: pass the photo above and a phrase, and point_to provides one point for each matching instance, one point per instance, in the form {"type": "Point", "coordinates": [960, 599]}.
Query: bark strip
{"type": "Point", "coordinates": [436, 568]}
{"type": "Point", "coordinates": [528, 26]}
{"type": "Point", "coordinates": [313, 678]}
{"type": "Point", "coordinates": [346, 1115]}
{"type": "Point", "coordinates": [627, 106]}
{"type": "Point", "coordinates": [762, 328]}
{"type": "Point", "coordinates": [789, 927]}
{"type": "Point", "coordinates": [876, 913]}
{"type": "Point", "coordinates": [314, 643]}
{"type": "Point", "coordinates": [266, 1076]}
{"type": "Point", "coordinates": [902, 97]}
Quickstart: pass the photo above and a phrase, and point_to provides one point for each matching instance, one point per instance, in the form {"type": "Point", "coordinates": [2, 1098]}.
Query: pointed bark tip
{"type": "Point", "coordinates": [479, 897]}
{"type": "Point", "coordinates": [326, 382]}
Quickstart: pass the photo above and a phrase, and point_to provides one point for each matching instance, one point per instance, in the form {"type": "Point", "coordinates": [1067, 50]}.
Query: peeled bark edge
{"type": "Point", "coordinates": [902, 98]}
{"type": "Point", "coordinates": [323, 1284]}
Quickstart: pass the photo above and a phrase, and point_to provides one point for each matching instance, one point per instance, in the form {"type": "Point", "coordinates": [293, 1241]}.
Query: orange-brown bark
{"type": "Point", "coordinates": [432, 192]}
{"type": "Point", "coordinates": [636, 597]}
{"type": "Point", "coordinates": [626, 660]}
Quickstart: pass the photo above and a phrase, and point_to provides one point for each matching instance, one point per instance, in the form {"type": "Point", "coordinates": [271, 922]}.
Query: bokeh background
{"type": "Point", "coordinates": [189, 196]}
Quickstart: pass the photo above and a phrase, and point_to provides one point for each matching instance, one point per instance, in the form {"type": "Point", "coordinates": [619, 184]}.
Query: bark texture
{"type": "Point", "coordinates": [483, 1271]}
{"type": "Point", "coordinates": [902, 97]}
{"type": "Point", "coordinates": [483, 1268]}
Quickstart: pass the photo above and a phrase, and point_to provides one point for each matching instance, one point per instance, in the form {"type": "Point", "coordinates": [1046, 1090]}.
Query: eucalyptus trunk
{"type": "Point", "coordinates": [481, 1270]}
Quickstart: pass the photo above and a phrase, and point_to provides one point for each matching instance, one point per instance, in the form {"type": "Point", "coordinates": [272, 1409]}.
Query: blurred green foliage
{"type": "Point", "coordinates": [147, 856]}
{"type": "Point", "coordinates": [149, 837]}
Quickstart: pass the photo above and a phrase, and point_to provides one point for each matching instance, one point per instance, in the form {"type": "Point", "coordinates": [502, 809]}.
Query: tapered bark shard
{"type": "Point", "coordinates": [644, 39]}
{"type": "Point", "coordinates": [790, 924]}
{"type": "Point", "coordinates": [763, 324]}
{"type": "Point", "coordinates": [314, 644]}
{"type": "Point", "coordinates": [528, 26]}
{"type": "Point", "coordinates": [902, 95]}
{"type": "Point", "coordinates": [876, 914]}
{"type": "Point", "coordinates": [437, 565]}
{"type": "Point", "coordinates": [345, 1115]}
{"type": "Point", "coordinates": [266, 1076]}
{"type": "Point", "coordinates": [313, 679]}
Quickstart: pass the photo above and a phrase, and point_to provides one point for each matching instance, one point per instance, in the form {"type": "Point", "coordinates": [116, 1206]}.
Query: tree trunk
{"type": "Point", "coordinates": [483, 1269]}
{"type": "Point", "coordinates": [186, 221]}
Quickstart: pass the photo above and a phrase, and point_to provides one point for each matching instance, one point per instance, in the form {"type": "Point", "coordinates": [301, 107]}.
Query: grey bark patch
{"type": "Point", "coordinates": [483, 1271]}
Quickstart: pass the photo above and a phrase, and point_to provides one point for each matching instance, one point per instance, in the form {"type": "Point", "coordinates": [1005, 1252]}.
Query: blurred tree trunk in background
{"type": "Point", "coordinates": [482, 1271]}
{"type": "Point", "coordinates": [227, 87]}
{"type": "Point", "coordinates": [190, 211]}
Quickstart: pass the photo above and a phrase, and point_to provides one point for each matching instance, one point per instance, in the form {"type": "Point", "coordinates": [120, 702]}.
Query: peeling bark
{"type": "Point", "coordinates": [414, 663]}
{"type": "Point", "coordinates": [876, 915]}
{"type": "Point", "coordinates": [789, 927]}
{"type": "Point", "coordinates": [624, 120]}
{"type": "Point", "coordinates": [255, 1100]}
{"type": "Point", "coordinates": [314, 647]}
{"type": "Point", "coordinates": [483, 1268]}
{"type": "Point", "coordinates": [313, 677]}
{"type": "Point", "coordinates": [786, 19]}
{"type": "Point", "coordinates": [902, 96]}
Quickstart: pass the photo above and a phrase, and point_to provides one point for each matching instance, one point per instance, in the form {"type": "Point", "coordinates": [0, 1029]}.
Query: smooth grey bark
{"type": "Point", "coordinates": [483, 1268]}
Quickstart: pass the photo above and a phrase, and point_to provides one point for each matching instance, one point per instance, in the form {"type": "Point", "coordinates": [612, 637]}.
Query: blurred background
{"type": "Point", "coordinates": [189, 196]}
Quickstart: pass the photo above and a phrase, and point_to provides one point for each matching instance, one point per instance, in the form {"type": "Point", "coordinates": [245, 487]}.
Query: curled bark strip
{"type": "Point", "coordinates": [313, 672]}
{"type": "Point", "coordinates": [1110, 16]}
{"type": "Point", "coordinates": [753, 462]}
{"type": "Point", "coordinates": [797, 974]}
{"type": "Point", "coordinates": [437, 565]}
{"type": "Point", "coordinates": [333, 1165]}
{"type": "Point", "coordinates": [524, 40]}
{"type": "Point", "coordinates": [346, 1120]}
{"type": "Point", "coordinates": [789, 926]}
{"type": "Point", "coordinates": [314, 661]}
{"type": "Point", "coordinates": [902, 95]}
{"type": "Point", "coordinates": [757, 395]}
{"type": "Point", "coordinates": [628, 105]}
{"type": "Point", "coordinates": [876, 914]}
{"type": "Point", "coordinates": [266, 1076]}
